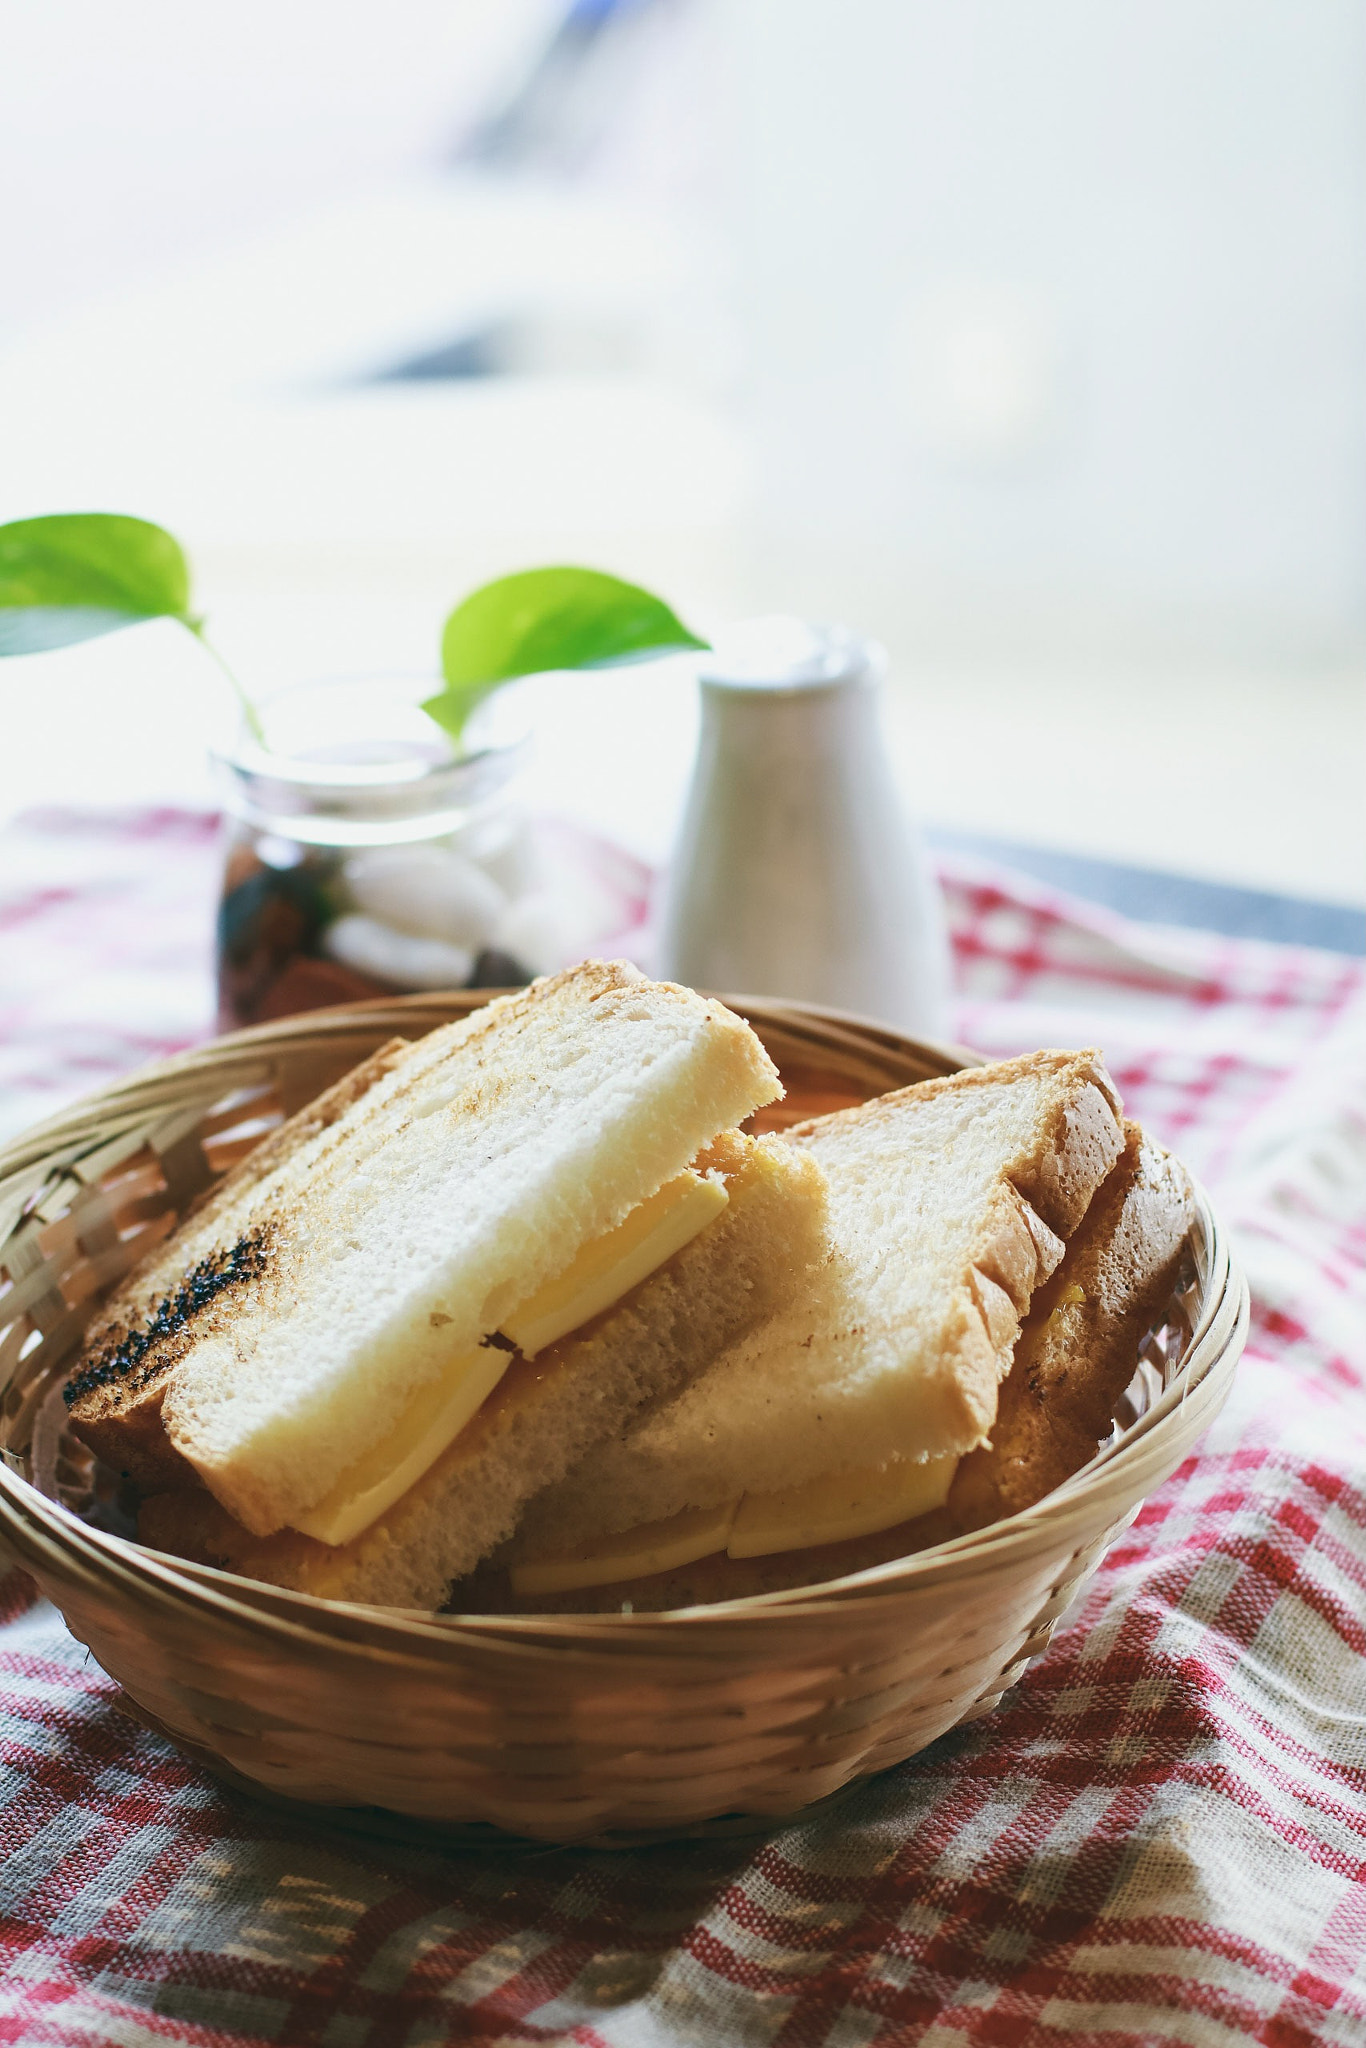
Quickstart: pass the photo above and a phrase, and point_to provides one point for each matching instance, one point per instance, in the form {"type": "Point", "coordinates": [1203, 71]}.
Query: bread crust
{"type": "Point", "coordinates": [1058, 1177]}
{"type": "Point", "coordinates": [1075, 1357]}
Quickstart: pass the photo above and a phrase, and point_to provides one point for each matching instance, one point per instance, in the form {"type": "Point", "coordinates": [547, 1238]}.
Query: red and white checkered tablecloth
{"type": "Point", "coordinates": [1160, 1836]}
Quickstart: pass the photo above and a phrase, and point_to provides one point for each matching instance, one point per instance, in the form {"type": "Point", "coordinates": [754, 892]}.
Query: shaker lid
{"type": "Point", "coordinates": [783, 652]}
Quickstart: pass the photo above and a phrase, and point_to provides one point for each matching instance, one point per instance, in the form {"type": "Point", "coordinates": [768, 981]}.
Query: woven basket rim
{"type": "Point", "coordinates": [979, 1554]}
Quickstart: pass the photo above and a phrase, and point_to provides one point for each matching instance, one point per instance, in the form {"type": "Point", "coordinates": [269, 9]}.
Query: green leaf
{"type": "Point", "coordinates": [545, 619]}
{"type": "Point", "coordinates": [73, 575]}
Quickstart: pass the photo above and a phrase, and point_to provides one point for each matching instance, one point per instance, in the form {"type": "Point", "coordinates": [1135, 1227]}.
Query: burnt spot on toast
{"type": "Point", "coordinates": [129, 1359]}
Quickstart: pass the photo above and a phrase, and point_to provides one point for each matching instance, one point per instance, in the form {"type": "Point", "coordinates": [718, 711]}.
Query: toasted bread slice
{"type": "Point", "coordinates": [1077, 1352]}
{"type": "Point", "coordinates": [950, 1203]}
{"type": "Point", "coordinates": [115, 1401]}
{"type": "Point", "coordinates": [382, 1249]}
{"type": "Point", "coordinates": [1079, 1349]}
{"type": "Point", "coordinates": [548, 1413]}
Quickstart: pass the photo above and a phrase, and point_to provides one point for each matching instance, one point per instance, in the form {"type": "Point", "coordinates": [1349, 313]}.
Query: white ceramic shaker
{"type": "Point", "coordinates": [796, 871]}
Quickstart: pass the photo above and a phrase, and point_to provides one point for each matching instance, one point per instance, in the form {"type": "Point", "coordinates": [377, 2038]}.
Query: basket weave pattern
{"type": "Point", "coordinates": [563, 1728]}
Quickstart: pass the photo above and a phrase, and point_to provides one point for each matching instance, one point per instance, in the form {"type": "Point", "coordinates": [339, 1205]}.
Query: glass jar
{"type": "Point", "coordinates": [365, 858]}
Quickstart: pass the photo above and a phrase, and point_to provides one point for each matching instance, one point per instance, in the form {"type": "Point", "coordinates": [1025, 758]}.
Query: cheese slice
{"type": "Point", "coordinates": [433, 1418]}
{"type": "Point", "coordinates": [631, 1554]}
{"type": "Point", "coordinates": [613, 1264]}
{"type": "Point", "coordinates": [1069, 1298]}
{"type": "Point", "coordinates": [825, 1510]}
{"type": "Point", "coordinates": [603, 1271]}
{"type": "Point", "coordinates": [839, 1505]}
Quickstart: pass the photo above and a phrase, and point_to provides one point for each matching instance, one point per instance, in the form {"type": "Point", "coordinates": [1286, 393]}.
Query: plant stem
{"type": "Point", "coordinates": [249, 711]}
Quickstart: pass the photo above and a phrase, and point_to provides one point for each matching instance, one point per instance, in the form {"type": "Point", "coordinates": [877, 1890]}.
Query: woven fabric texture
{"type": "Point", "coordinates": [1160, 1835]}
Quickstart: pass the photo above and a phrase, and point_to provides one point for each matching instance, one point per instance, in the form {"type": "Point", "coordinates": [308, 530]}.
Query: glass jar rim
{"type": "Point", "coordinates": [356, 784]}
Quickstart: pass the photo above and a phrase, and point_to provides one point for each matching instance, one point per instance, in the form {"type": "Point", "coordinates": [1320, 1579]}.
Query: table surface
{"type": "Point", "coordinates": [1158, 896]}
{"type": "Point", "coordinates": [1160, 1835]}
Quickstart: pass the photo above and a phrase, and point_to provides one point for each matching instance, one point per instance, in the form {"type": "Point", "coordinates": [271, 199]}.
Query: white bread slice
{"type": "Point", "coordinates": [548, 1413]}
{"type": "Point", "coordinates": [389, 1243]}
{"type": "Point", "coordinates": [114, 1398]}
{"type": "Point", "coordinates": [1074, 1357]}
{"type": "Point", "coordinates": [949, 1205]}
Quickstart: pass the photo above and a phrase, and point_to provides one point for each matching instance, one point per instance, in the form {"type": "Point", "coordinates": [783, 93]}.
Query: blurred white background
{"type": "Point", "coordinates": [1031, 339]}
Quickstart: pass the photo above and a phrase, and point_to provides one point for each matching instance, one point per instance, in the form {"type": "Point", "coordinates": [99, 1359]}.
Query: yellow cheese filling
{"type": "Point", "coordinates": [1069, 1298]}
{"type": "Point", "coordinates": [633, 1554]}
{"type": "Point", "coordinates": [839, 1505]}
{"type": "Point", "coordinates": [600, 1274]}
{"type": "Point", "coordinates": [830, 1509]}
{"type": "Point", "coordinates": [612, 1265]}
{"type": "Point", "coordinates": [434, 1418]}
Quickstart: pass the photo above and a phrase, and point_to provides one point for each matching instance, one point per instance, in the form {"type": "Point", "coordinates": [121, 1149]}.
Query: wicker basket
{"type": "Point", "coordinates": [600, 1728]}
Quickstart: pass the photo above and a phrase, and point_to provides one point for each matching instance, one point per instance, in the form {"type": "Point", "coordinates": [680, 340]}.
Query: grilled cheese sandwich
{"type": "Point", "coordinates": [951, 1206]}
{"type": "Point", "coordinates": [1076, 1351]}
{"type": "Point", "coordinates": [486, 1195]}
